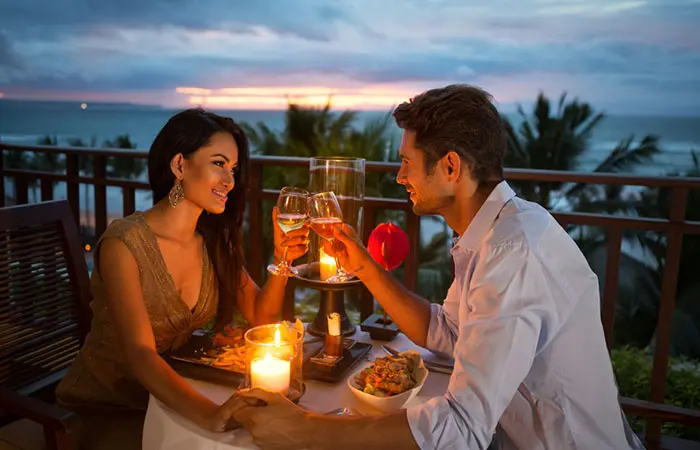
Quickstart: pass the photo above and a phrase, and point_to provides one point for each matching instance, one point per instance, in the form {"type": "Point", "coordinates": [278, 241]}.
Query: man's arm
{"type": "Point", "coordinates": [367, 433]}
{"type": "Point", "coordinates": [506, 315]}
{"type": "Point", "coordinates": [410, 312]}
{"type": "Point", "coordinates": [425, 324]}
{"type": "Point", "coordinates": [282, 424]}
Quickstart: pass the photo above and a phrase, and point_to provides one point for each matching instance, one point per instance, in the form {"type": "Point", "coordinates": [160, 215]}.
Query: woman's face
{"type": "Point", "coordinates": [208, 174]}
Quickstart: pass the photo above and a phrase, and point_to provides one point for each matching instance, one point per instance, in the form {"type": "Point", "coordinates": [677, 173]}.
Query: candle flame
{"type": "Point", "coordinates": [278, 337]}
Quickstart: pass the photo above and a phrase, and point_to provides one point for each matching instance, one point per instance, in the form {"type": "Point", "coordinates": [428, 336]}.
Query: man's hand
{"type": "Point", "coordinates": [297, 241]}
{"type": "Point", "coordinates": [352, 254]}
{"type": "Point", "coordinates": [279, 425]}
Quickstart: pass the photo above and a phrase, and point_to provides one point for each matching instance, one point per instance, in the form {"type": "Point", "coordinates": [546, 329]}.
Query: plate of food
{"type": "Point", "coordinates": [224, 350]}
{"type": "Point", "coordinates": [391, 382]}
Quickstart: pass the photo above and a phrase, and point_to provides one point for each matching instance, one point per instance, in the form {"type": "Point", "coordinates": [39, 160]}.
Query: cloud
{"type": "Point", "coordinates": [9, 59]}
{"type": "Point", "coordinates": [601, 48]}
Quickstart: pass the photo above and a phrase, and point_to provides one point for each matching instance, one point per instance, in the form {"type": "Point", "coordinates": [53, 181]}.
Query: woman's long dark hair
{"type": "Point", "coordinates": [185, 133]}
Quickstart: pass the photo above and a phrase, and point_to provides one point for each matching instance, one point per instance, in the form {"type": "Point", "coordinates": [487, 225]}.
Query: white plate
{"type": "Point", "coordinates": [386, 404]}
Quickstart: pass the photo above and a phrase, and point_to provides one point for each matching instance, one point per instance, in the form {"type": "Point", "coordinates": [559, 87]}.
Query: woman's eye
{"type": "Point", "coordinates": [219, 163]}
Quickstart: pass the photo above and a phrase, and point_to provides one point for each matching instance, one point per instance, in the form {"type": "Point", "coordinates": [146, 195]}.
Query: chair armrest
{"type": "Point", "coordinates": [45, 414]}
{"type": "Point", "coordinates": [663, 412]}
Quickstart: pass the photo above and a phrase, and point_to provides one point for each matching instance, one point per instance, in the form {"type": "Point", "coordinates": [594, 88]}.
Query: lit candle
{"type": "Point", "coordinates": [269, 372]}
{"type": "Point", "coordinates": [334, 324]}
{"type": "Point", "coordinates": [327, 266]}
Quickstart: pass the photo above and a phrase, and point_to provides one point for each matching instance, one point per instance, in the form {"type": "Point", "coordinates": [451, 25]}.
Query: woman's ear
{"type": "Point", "coordinates": [177, 165]}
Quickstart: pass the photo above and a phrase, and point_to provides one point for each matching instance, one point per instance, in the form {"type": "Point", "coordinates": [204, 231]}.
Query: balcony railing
{"type": "Point", "coordinates": [674, 227]}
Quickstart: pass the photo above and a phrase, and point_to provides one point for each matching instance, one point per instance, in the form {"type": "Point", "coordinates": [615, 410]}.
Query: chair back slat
{"type": "Point", "coordinates": [44, 293]}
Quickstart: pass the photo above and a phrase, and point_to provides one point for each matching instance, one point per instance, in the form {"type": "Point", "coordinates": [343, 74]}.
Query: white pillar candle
{"type": "Point", "coordinates": [334, 324]}
{"type": "Point", "coordinates": [270, 373]}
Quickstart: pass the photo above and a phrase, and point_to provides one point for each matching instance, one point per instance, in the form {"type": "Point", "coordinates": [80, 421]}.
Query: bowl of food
{"type": "Point", "coordinates": [391, 382]}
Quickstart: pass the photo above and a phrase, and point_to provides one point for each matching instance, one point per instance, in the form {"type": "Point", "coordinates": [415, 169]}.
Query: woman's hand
{"type": "Point", "coordinates": [297, 241]}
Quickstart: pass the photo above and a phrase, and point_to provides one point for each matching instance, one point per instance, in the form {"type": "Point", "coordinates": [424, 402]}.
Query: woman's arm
{"type": "Point", "coordinates": [261, 306]}
{"type": "Point", "coordinates": [135, 336]}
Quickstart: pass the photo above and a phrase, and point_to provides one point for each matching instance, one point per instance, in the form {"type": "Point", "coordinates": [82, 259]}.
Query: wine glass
{"type": "Point", "coordinates": [292, 214]}
{"type": "Point", "coordinates": [325, 214]}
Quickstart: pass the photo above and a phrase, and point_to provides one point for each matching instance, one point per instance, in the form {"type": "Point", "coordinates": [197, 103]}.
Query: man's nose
{"type": "Point", "coordinates": [401, 177]}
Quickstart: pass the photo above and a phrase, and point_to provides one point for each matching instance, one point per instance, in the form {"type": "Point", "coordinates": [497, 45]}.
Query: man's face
{"type": "Point", "coordinates": [429, 192]}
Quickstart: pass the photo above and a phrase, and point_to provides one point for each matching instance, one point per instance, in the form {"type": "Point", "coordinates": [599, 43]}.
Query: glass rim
{"type": "Point", "coordinates": [294, 189]}
{"type": "Point", "coordinates": [337, 158]}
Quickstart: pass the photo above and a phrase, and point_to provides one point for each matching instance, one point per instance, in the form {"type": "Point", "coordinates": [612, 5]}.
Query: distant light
{"type": "Point", "coordinates": [83, 106]}
{"type": "Point", "coordinates": [87, 247]}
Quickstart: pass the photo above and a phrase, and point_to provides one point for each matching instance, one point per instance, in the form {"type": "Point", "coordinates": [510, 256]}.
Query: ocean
{"type": "Point", "coordinates": [23, 122]}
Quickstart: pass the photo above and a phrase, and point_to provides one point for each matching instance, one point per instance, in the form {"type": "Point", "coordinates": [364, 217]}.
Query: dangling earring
{"type": "Point", "coordinates": [176, 194]}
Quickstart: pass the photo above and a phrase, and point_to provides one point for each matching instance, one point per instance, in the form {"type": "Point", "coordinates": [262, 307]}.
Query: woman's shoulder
{"type": "Point", "coordinates": [126, 228]}
{"type": "Point", "coordinates": [133, 232]}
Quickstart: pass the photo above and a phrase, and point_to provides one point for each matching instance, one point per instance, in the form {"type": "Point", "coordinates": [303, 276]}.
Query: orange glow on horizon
{"type": "Point", "coordinates": [279, 97]}
{"type": "Point", "coordinates": [2, 95]}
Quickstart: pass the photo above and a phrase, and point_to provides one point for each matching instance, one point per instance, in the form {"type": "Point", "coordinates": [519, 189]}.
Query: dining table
{"type": "Point", "coordinates": [165, 429]}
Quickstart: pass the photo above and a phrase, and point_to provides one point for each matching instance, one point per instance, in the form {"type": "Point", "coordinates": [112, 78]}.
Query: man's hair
{"type": "Point", "coordinates": [459, 118]}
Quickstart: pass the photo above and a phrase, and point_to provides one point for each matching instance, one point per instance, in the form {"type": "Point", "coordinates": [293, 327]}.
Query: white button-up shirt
{"type": "Point", "coordinates": [522, 321]}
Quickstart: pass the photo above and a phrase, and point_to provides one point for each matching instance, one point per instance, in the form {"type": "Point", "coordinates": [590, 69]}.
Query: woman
{"type": "Point", "coordinates": [165, 272]}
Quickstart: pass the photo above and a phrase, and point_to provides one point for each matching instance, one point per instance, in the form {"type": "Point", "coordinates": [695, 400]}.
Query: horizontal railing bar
{"type": "Point", "coordinates": [625, 222]}
{"type": "Point", "coordinates": [117, 182]}
{"type": "Point", "coordinates": [80, 151]}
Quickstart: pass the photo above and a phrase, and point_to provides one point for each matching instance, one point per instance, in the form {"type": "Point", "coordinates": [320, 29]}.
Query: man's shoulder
{"type": "Point", "coordinates": [521, 224]}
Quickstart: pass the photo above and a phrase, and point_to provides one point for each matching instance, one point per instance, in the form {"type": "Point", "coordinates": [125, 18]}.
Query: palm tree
{"type": "Point", "coordinates": [317, 131]}
{"type": "Point", "coordinates": [123, 167]}
{"type": "Point", "coordinates": [555, 142]}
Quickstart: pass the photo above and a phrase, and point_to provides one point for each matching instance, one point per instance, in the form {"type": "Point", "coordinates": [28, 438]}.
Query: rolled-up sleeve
{"type": "Point", "coordinates": [442, 331]}
{"type": "Point", "coordinates": [504, 316]}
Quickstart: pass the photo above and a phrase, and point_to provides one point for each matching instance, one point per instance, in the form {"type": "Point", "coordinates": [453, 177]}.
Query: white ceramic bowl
{"type": "Point", "coordinates": [386, 404]}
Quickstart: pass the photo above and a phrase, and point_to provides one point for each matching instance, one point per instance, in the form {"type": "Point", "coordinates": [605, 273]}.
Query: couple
{"type": "Point", "coordinates": [521, 319]}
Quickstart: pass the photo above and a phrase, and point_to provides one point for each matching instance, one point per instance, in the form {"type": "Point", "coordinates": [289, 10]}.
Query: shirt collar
{"type": "Point", "coordinates": [484, 218]}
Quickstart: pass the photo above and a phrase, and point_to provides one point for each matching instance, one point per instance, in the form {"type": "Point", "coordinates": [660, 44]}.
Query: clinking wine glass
{"type": "Point", "coordinates": [292, 205]}
{"type": "Point", "coordinates": [325, 214]}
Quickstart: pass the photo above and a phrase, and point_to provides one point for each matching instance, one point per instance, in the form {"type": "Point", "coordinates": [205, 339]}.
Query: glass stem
{"type": "Point", "coordinates": [283, 263]}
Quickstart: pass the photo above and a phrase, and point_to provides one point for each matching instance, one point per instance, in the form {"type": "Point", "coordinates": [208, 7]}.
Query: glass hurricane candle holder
{"type": "Point", "coordinates": [274, 356]}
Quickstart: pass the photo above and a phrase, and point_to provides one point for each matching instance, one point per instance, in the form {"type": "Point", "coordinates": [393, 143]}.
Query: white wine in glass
{"type": "Point", "coordinates": [325, 214]}
{"type": "Point", "coordinates": [292, 204]}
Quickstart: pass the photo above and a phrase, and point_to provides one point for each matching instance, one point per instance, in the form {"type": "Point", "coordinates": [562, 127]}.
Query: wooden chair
{"type": "Point", "coordinates": [44, 313]}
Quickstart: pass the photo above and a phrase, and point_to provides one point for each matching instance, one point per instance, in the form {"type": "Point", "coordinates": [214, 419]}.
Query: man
{"type": "Point", "coordinates": [521, 319]}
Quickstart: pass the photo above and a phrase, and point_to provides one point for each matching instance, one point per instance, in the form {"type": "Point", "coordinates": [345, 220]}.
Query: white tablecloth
{"type": "Point", "coordinates": [165, 429]}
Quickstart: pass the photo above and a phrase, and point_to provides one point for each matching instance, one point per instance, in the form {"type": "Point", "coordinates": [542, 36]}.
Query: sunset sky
{"type": "Point", "coordinates": [630, 56]}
